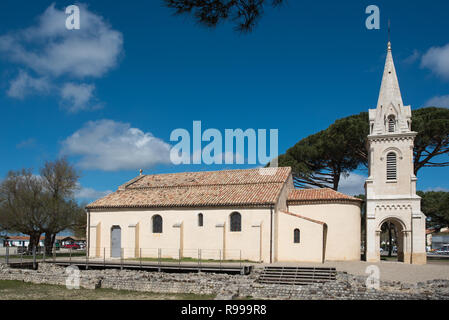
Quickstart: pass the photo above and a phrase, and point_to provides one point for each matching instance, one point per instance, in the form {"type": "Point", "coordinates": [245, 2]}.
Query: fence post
{"type": "Point", "coordinates": [7, 255]}
{"type": "Point", "coordinates": [140, 257]}
{"type": "Point", "coordinates": [240, 258]}
{"type": "Point", "coordinates": [43, 256]}
{"type": "Point", "coordinates": [121, 258]}
{"type": "Point", "coordinates": [54, 253]}
{"type": "Point", "coordinates": [34, 258]}
{"type": "Point", "coordinates": [21, 258]}
{"type": "Point", "coordinates": [199, 260]}
{"type": "Point", "coordinates": [159, 259]}
{"type": "Point", "coordinates": [179, 254]}
{"type": "Point", "coordinates": [70, 256]}
{"type": "Point", "coordinates": [220, 259]}
{"type": "Point", "coordinates": [87, 261]}
{"type": "Point", "coordinates": [104, 257]}
{"type": "Point", "coordinates": [241, 271]}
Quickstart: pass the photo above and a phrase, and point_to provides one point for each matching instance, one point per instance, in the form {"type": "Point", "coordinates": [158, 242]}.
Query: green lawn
{"type": "Point", "coordinates": [18, 290]}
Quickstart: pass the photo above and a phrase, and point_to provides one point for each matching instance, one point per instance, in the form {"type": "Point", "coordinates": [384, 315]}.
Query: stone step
{"type": "Point", "coordinates": [292, 276]}
{"type": "Point", "coordinates": [301, 273]}
{"type": "Point", "coordinates": [296, 275]}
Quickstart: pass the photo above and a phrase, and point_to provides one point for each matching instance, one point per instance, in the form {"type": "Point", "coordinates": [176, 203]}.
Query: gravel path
{"type": "Point", "coordinates": [389, 271]}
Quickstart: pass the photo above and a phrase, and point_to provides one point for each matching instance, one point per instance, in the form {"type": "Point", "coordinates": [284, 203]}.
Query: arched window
{"type": "Point", "coordinates": [157, 224]}
{"type": "Point", "coordinates": [391, 124]}
{"type": "Point", "coordinates": [391, 166]}
{"type": "Point", "coordinates": [296, 236]}
{"type": "Point", "coordinates": [200, 219]}
{"type": "Point", "coordinates": [236, 222]}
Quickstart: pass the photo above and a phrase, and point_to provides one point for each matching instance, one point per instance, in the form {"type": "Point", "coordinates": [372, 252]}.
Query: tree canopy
{"type": "Point", "coordinates": [320, 160]}
{"type": "Point", "coordinates": [245, 13]}
{"type": "Point", "coordinates": [432, 141]}
{"type": "Point", "coordinates": [60, 180]}
{"type": "Point", "coordinates": [40, 204]}
{"type": "Point", "coordinates": [435, 205]}
{"type": "Point", "coordinates": [22, 204]}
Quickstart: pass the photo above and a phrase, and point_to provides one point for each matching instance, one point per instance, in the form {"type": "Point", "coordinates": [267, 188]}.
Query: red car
{"type": "Point", "coordinates": [72, 246]}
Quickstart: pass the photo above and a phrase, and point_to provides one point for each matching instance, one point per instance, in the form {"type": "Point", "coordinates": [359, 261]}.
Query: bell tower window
{"type": "Point", "coordinates": [391, 124]}
{"type": "Point", "coordinates": [391, 166]}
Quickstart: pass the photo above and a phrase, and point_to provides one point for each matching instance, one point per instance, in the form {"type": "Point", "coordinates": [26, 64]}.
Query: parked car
{"type": "Point", "coordinates": [72, 246]}
{"type": "Point", "coordinates": [82, 245]}
{"type": "Point", "coordinates": [443, 250]}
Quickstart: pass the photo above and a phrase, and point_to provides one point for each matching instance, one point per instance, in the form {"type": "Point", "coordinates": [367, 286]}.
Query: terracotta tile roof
{"type": "Point", "coordinates": [319, 195]}
{"type": "Point", "coordinates": [302, 217]}
{"type": "Point", "coordinates": [203, 178]}
{"type": "Point", "coordinates": [199, 189]}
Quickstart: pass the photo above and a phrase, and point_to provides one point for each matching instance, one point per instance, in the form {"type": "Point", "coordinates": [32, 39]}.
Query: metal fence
{"type": "Point", "coordinates": [124, 256]}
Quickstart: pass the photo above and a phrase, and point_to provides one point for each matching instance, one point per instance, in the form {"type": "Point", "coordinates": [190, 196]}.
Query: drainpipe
{"type": "Point", "coordinates": [271, 234]}
{"type": "Point", "coordinates": [411, 239]}
{"type": "Point", "coordinates": [88, 232]}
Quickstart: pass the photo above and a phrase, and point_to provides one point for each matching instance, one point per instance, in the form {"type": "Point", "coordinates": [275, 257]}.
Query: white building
{"type": "Point", "coordinates": [391, 185]}
{"type": "Point", "coordinates": [257, 214]}
{"type": "Point", "coordinates": [250, 214]}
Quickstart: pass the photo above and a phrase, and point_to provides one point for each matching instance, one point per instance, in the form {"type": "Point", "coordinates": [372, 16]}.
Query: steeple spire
{"type": "Point", "coordinates": [390, 116]}
{"type": "Point", "coordinates": [389, 89]}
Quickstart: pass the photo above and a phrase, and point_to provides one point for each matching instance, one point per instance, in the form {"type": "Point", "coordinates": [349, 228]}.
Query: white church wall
{"type": "Point", "coordinates": [310, 246]}
{"type": "Point", "coordinates": [181, 231]}
{"type": "Point", "coordinates": [343, 228]}
{"type": "Point", "coordinates": [281, 205]}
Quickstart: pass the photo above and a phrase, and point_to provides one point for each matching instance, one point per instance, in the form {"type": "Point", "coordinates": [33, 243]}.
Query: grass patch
{"type": "Point", "coordinates": [18, 290]}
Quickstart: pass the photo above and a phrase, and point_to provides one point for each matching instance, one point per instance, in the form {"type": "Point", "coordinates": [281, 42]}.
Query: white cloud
{"type": "Point", "coordinates": [26, 143]}
{"type": "Point", "coordinates": [437, 189]}
{"type": "Point", "coordinates": [354, 184]}
{"type": "Point", "coordinates": [437, 60]}
{"type": "Point", "coordinates": [90, 193]}
{"type": "Point", "coordinates": [110, 145]}
{"type": "Point", "coordinates": [54, 53]}
{"type": "Point", "coordinates": [77, 97]}
{"type": "Point", "coordinates": [438, 101]}
{"type": "Point", "coordinates": [413, 57]}
{"type": "Point", "coordinates": [25, 85]}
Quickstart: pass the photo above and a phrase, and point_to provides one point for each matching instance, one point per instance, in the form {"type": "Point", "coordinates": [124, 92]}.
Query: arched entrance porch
{"type": "Point", "coordinates": [393, 239]}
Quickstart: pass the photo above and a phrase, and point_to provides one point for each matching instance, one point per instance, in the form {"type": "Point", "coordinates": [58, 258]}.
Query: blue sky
{"type": "Point", "coordinates": [135, 72]}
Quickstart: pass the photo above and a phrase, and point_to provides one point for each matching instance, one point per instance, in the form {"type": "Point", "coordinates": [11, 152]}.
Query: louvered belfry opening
{"type": "Point", "coordinates": [391, 166]}
{"type": "Point", "coordinates": [391, 124]}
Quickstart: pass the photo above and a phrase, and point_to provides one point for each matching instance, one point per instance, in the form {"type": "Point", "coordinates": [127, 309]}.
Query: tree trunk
{"type": "Point", "coordinates": [49, 242]}
{"type": "Point", "coordinates": [34, 241]}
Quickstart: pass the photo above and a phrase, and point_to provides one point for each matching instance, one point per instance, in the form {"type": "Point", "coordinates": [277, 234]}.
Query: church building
{"type": "Point", "coordinates": [258, 215]}
{"type": "Point", "coordinates": [253, 214]}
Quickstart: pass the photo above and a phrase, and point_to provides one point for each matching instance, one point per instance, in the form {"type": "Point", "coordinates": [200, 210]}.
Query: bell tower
{"type": "Point", "coordinates": [391, 185]}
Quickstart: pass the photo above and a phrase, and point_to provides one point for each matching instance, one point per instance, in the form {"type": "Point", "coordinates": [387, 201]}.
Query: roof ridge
{"type": "Point", "coordinates": [203, 185]}
{"type": "Point", "coordinates": [325, 197]}
{"type": "Point", "coordinates": [208, 171]}
{"type": "Point", "coordinates": [130, 182]}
